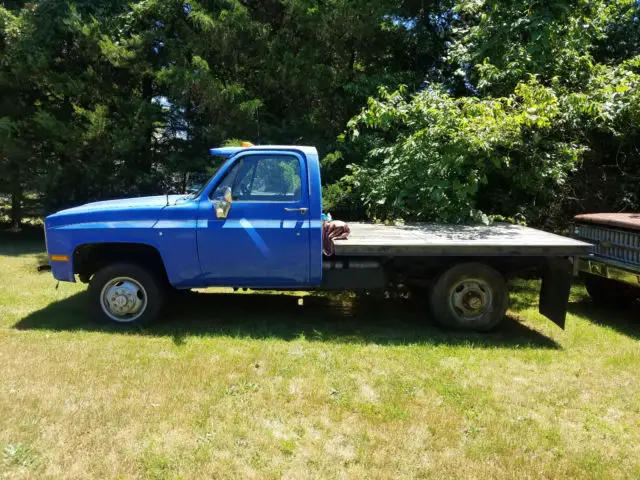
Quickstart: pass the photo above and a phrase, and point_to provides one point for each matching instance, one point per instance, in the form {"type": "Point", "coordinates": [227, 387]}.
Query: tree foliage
{"type": "Point", "coordinates": [446, 155]}
{"type": "Point", "coordinates": [477, 108]}
{"type": "Point", "coordinates": [539, 119]}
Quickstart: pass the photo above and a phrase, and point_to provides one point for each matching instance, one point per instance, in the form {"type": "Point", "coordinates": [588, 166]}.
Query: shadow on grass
{"type": "Point", "coordinates": [324, 318]}
{"type": "Point", "coordinates": [622, 318]}
{"type": "Point", "coordinates": [26, 242]}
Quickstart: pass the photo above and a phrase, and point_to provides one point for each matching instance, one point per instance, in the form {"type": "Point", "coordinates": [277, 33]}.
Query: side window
{"type": "Point", "coordinates": [259, 178]}
{"type": "Point", "coordinates": [277, 179]}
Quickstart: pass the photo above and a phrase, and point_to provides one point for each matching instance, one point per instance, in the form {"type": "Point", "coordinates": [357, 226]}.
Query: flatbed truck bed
{"type": "Point", "coordinates": [440, 261]}
{"type": "Point", "coordinates": [429, 239]}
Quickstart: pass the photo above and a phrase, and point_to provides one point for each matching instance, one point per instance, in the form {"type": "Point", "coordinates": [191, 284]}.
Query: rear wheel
{"type": "Point", "coordinates": [126, 293]}
{"type": "Point", "coordinates": [606, 291]}
{"type": "Point", "coordinates": [469, 296]}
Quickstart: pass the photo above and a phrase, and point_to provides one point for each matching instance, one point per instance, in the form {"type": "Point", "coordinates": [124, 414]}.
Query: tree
{"type": "Point", "coordinates": [538, 119]}
{"type": "Point", "coordinates": [105, 98]}
{"type": "Point", "coordinates": [457, 159]}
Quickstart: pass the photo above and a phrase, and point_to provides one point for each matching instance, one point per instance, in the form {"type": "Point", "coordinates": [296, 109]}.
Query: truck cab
{"type": "Point", "coordinates": [271, 238]}
{"type": "Point", "coordinates": [258, 223]}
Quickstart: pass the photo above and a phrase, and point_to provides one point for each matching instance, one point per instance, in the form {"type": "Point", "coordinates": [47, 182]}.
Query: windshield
{"type": "Point", "coordinates": [204, 184]}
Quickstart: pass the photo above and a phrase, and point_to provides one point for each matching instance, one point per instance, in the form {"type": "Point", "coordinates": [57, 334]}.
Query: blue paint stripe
{"type": "Point", "coordinates": [271, 224]}
{"type": "Point", "coordinates": [115, 224]}
{"type": "Point", "coordinates": [176, 224]}
{"type": "Point", "coordinates": [255, 237]}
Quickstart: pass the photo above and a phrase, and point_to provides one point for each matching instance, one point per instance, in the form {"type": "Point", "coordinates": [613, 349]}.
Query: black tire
{"type": "Point", "coordinates": [469, 296]}
{"type": "Point", "coordinates": [608, 292]}
{"type": "Point", "coordinates": [153, 290]}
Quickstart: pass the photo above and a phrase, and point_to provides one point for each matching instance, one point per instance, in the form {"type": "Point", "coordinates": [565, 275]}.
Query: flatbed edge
{"type": "Point", "coordinates": [451, 240]}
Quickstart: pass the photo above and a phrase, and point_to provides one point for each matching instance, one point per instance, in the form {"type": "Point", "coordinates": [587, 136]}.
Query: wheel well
{"type": "Point", "coordinates": [91, 257]}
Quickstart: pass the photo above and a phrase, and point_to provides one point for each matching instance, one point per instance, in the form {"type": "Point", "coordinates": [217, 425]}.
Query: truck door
{"type": "Point", "coordinates": [264, 239]}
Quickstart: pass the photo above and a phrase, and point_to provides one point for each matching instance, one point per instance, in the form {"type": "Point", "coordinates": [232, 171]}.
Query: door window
{"type": "Point", "coordinates": [274, 178]}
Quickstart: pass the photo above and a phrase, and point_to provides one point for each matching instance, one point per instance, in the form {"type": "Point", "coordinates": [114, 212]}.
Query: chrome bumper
{"type": "Point", "coordinates": [610, 269]}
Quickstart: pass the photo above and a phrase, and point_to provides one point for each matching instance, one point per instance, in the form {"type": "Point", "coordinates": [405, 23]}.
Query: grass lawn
{"type": "Point", "coordinates": [260, 386]}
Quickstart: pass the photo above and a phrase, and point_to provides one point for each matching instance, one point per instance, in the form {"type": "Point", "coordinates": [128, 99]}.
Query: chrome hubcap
{"type": "Point", "coordinates": [470, 299]}
{"type": "Point", "coordinates": [123, 299]}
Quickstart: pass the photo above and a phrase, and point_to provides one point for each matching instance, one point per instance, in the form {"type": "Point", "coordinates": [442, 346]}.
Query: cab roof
{"type": "Point", "coordinates": [227, 152]}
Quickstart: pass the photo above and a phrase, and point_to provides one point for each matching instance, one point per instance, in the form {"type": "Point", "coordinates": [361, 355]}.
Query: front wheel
{"type": "Point", "coordinates": [125, 293]}
{"type": "Point", "coordinates": [470, 296]}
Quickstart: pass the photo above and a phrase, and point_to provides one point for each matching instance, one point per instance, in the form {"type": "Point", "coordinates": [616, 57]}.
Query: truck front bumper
{"type": "Point", "coordinates": [60, 255]}
{"type": "Point", "coordinates": [610, 269]}
{"type": "Point", "coordinates": [63, 271]}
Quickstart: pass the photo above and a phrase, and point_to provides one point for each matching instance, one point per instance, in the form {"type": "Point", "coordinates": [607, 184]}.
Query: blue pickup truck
{"type": "Point", "coordinates": [257, 223]}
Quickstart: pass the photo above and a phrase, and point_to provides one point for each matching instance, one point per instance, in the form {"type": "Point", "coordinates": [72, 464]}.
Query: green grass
{"type": "Point", "coordinates": [259, 386]}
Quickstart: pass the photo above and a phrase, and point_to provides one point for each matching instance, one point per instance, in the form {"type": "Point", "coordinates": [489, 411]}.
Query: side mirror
{"type": "Point", "coordinates": [228, 197]}
{"type": "Point", "coordinates": [223, 205]}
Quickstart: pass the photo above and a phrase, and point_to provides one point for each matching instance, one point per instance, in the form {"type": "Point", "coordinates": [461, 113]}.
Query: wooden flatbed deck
{"type": "Point", "coordinates": [501, 239]}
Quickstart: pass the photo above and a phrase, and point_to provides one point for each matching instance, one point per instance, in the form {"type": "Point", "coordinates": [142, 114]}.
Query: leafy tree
{"type": "Point", "coordinates": [519, 107]}
{"type": "Point", "coordinates": [500, 43]}
{"type": "Point", "coordinates": [446, 158]}
{"type": "Point", "coordinates": [537, 120]}
{"type": "Point", "coordinates": [106, 98]}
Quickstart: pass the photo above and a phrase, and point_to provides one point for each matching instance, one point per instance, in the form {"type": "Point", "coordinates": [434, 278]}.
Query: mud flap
{"type": "Point", "coordinates": [556, 286]}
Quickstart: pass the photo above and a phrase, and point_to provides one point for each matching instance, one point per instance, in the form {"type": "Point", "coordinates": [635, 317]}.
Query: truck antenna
{"type": "Point", "coordinates": [258, 122]}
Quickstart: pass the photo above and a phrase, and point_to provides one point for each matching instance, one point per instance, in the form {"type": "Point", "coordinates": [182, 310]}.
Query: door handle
{"type": "Point", "coordinates": [302, 210]}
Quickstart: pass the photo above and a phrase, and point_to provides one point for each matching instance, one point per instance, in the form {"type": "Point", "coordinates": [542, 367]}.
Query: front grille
{"type": "Point", "coordinates": [618, 245]}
